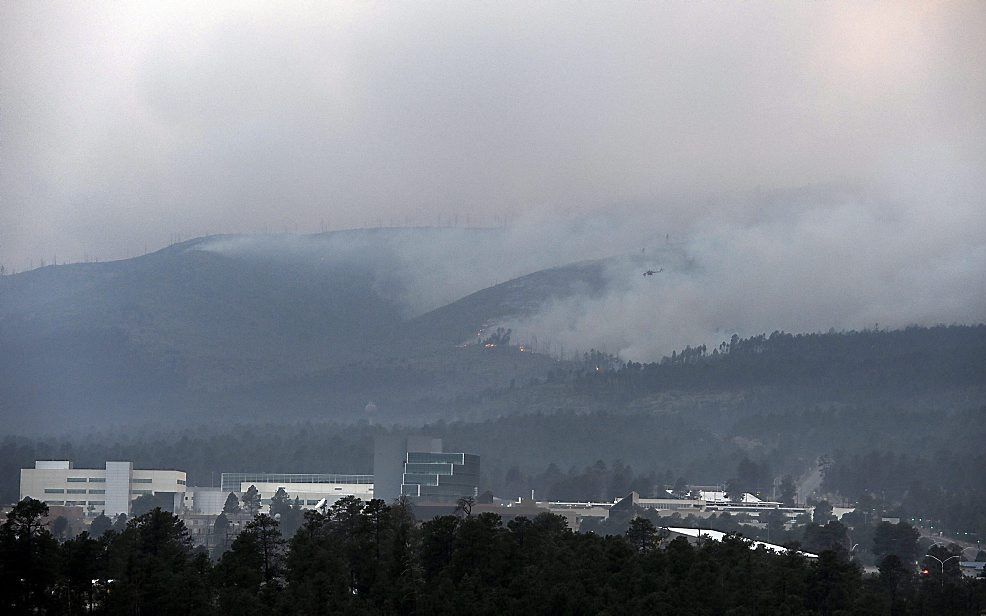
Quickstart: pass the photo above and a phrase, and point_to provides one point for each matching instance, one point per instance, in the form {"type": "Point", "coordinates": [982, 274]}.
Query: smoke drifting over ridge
{"type": "Point", "coordinates": [124, 125]}
{"type": "Point", "coordinates": [799, 261]}
{"type": "Point", "coordinates": [595, 130]}
{"type": "Point", "coordinates": [842, 265]}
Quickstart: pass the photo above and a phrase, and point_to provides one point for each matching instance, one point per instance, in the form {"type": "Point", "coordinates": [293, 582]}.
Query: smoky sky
{"type": "Point", "coordinates": [833, 149]}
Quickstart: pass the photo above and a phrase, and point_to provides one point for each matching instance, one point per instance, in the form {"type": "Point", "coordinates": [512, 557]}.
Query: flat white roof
{"type": "Point", "coordinates": [719, 496]}
{"type": "Point", "coordinates": [717, 535]}
{"type": "Point", "coordinates": [52, 464]}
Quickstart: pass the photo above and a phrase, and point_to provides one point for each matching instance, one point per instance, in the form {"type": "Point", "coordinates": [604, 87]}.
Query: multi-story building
{"type": "Point", "coordinates": [308, 488]}
{"type": "Point", "coordinates": [110, 490]}
{"type": "Point", "coordinates": [417, 466]}
{"type": "Point", "coordinates": [441, 475]}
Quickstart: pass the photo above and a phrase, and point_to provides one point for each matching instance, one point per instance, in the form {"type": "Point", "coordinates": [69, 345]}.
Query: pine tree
{"type": "Point", "coordinates": [789, 491]}
{"type": "Point", "coordinates": [642, 535]}
{"type": "Point", "coordinates": [232, 504]}
{"type": "Point", "coordinates": [100, 525]}
{"type": "Point", "coordinates": [27, 554]}
{"type": "Point", "coordinates": [251, 501]}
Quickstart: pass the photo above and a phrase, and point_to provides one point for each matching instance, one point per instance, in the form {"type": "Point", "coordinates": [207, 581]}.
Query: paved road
{"type": "Point", "coordinates": [969, 548]}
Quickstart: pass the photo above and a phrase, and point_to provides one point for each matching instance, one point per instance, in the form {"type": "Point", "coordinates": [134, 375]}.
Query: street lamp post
{"type": "Point", "coordinates": [942, 563]}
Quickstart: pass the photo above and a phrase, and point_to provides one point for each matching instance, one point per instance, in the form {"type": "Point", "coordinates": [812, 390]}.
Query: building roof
{"type": "Point", "coordinates": [231, 481]}
{"type": "Point", "coordinates": [717, 535]}
{"type": "Point", "coordinates": [719, 496]}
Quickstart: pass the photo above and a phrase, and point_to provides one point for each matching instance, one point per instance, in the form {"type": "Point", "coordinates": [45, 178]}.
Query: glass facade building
{"type": "Point", "coordinates": [440, 476]}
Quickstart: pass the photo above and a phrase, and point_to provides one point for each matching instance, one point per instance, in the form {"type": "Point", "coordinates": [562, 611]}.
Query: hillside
{"type": "Point", "coordinates": [937, 368]}
{"type": "Point", "coordinates": [250, 324]}
{"type": "Point", "coordinates": [464, 319]}
{"type": "Point", "coordinates": [315, 327]}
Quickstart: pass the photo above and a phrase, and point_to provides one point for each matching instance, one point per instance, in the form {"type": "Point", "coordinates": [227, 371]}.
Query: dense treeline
{"type": "Point", "coordinates": [370, 558]}
{"type": "Point", "coordinates": [888, 364]}
{"type": "Point", "coordinates": [530, 442]}
{"type": "Point", "coordinates": [526, 446]}
{"type": "Point", "coordinates": [518, 454]}
{"type": "Point", "coordinates": [850, 428]}
{"type": "Point", "coordinates": [695, 415]}
{"type": "Point", "coordinates": [548, 453]}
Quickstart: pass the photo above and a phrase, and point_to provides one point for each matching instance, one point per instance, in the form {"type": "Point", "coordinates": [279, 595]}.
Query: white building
{"type": "Point", "coordinates": [109, 489]}
{"type": "Point", "coordinates": [205, 500]}
{"type": "Point", "coordinates": [719, 497]}
{"type": "Point", "coordinates": [309, 488]}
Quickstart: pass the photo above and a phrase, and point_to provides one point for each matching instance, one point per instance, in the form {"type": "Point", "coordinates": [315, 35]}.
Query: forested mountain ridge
{"type": "Point", "coordinates": [314, 327]}
{"type": "Point", "coordinates": [842, 365]}
{"type": "Point", "coordinates": [942, 368]}
{"type": "Point", "coordinates": [523, 296]}
{"type": "Point", "coordinates": [215, 323]}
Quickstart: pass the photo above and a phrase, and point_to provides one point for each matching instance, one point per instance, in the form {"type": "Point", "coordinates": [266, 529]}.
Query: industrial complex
{"type": "Point", "coordinates": [417, 468]}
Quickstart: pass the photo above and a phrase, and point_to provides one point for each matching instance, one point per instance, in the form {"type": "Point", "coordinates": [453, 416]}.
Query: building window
{"type": "Point", "coordinates": [97, 480]}
{"type": "Point", "coordinates": [143, 480]}
{"type": "Point", "coordinates": [181, 482]}
{"type": "Point", "coordinates": [74, 491]}
{"type": "Point", "coordinates": [54, 491]}
{"type": "Point", "coordinates": [97, 502]}
{"type": "Point", "coordinates": [97, 491]}
{"type": "Point", "coordinates": [54, 502]}
{"type": "Point", "coordinates": [141, 492]}
{"type": "Point", "coordinates": [76, 479]}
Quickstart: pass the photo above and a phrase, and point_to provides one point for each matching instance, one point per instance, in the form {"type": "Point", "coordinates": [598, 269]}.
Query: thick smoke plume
{"type": "Point", "coordinates": [799, 261]}
{"type": "Point", "coordinates": [125, 126]}
{"type": "Point", "coordinates": [805, 264]}
{"type": "Point", "coordinates": [680, 132]}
